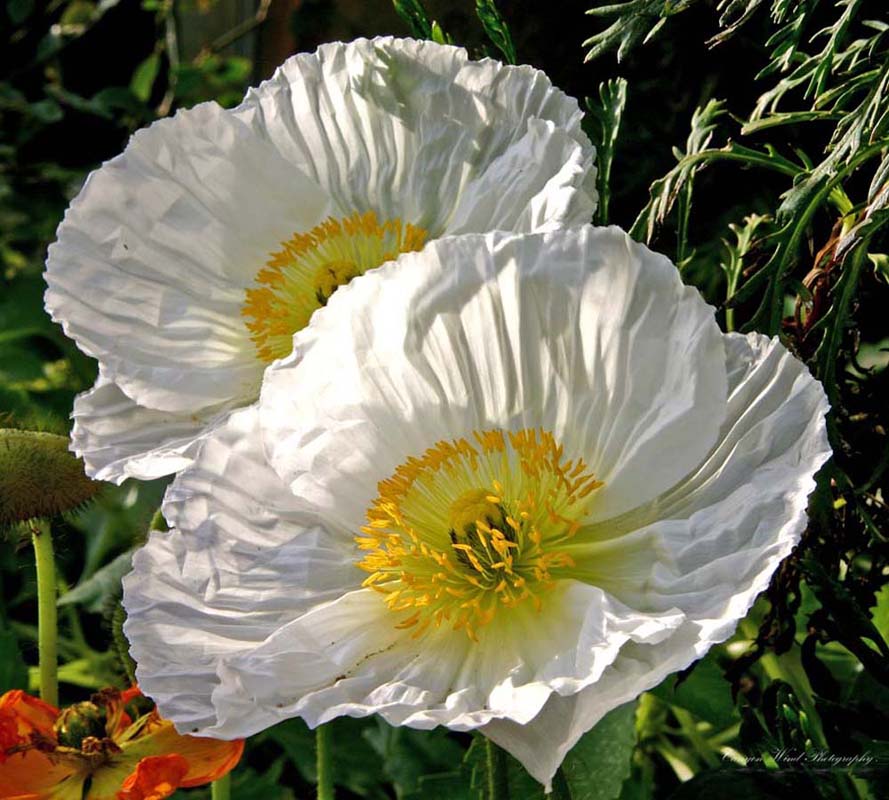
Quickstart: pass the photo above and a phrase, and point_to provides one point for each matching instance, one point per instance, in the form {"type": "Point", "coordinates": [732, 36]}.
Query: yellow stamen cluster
{"type": "Point", "coordinates": [301, 278]}
{"type": "Point", "coordinates": [470, 527]}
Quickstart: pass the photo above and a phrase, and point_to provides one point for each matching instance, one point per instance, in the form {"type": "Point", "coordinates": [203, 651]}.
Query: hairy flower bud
{"type": "Point", "coordinates": [39, 477]}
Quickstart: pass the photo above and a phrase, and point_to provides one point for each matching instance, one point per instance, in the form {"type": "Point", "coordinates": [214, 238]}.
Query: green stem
{"type": "Point", "coordinates": [47, 620]}
{"type": "Point", "coordinates": [495, 763]}
{"type": "Point", "coordinates": [698, 742]}
{"type": "Point", "coordinates": [324, 762]}
{"type": "Point", "coordinates": [221, 789]}
{"type": "Point", "coordinates": [120, 643]}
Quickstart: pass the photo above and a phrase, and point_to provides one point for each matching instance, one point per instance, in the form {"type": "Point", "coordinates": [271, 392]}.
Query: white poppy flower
{"type": "Point", "coordinates": [186, 263]}
{"type": "Point", "coordinates": [509, 496]}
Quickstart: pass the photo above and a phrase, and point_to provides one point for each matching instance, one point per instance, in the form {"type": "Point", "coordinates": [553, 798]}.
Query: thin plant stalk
{"type": "Point", "coordinates": [324, 762]}
{"type": "Point", "coordinates": [221, 788]}
{"type": "Point", "coordinates": [495, 771]}
{"type": "Point", "coordinates": [47, 618]}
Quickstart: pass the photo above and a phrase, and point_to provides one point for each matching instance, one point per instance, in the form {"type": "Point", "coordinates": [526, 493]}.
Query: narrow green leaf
{"type": "Point", "coordinates": [438, 35]}
{"type": "Point", "coordinates": [496, 28]}
{"type": "Point", "coordinates": [606, 114]}
{"type": "Point", "coordinates": [413, 13]}
{"type": "Point", "coordinates": [101, 585]}
{"type": "Point", "coordinates": [144, 77]}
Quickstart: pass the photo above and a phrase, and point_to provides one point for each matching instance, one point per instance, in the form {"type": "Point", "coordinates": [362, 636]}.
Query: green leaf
{"type": "Point", "coordinates": [636, 21]}
{"type": "Point", "coordinates": [705, 693]}
{"type": "Point", "coordinates": [13, 670]}
{"type": "Point", "coordinates": [83, 672]}
{"type": "Point", "coordinates": [518, 782]}
{"type": "Point", "coordinates": [413, 13]}
{"type": "Point", "coordinates": [598, 764]}
{"type": "Point", "coordinates": [496, 28]}
{"type": "Point", "coordinates": [144, 77]}
{"type": "Point", "coordinates": [407, 754]}
{"type": "Point", "coordinates": [438, 35]}
{"type": "Point", "coordinates": [19, 10]}
{"type": "Point", "coordinates": [453, 785]}
{"type": "Point", "coordinates": [356, 764]}
{"type": "Point", "coordinates": [47, 111]}
{"type": "Point", "coordinates": [606, 115]}
{"type": "Point", "coordinates": [78, 13]}
{"type": "Point", "coordinates": [100, 586]}
{"type": "Point", "coordinates": [118, 520]}
{"type": "Point", "coordinates": [116, 98]}
{"type": "Point", "coordinates": [19, 364]}
{"type": "Point", "coordinates": [18, 300]}
{"type": "Point", "coordinates": [881, 612]}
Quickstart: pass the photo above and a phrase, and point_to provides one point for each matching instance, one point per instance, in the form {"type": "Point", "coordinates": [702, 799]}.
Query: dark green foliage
{"type": "Point", "coordinates": [412, 12]}
{"type": "Point", "coordinates": [496, 28]}
{"type": "Point", "coordinates": [599, 763]}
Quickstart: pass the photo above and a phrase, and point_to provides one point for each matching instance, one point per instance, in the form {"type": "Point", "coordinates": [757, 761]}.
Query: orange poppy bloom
{"type": "Point", "coordinates": [96, 751]}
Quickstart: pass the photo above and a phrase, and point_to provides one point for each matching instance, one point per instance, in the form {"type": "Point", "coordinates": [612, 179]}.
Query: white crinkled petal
{"type": "Point", "coordinates": [249, 611]}
{"type": "Point", "coordinates": [118, 439]}
{"type": "Point", "coordinates": [404, 127]}
{"type": "Point", "coordinates": [151, 261]}
{"type": "Point", "coordinates": [533, 186]}
{"type": "Point", "coordinates": [720, 535]}
{"type": "Point", "coordinates": [246, 563]}
{"type": "Point", "coordinates": [348, 658]}
{"type": "Point", "coordinates": [583, 333]}
{"type": "Point", "coordinates": [153, 258]}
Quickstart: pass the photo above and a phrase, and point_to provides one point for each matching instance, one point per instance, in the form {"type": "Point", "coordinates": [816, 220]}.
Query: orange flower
{"type": "Point", "coordinates": [49, 755]}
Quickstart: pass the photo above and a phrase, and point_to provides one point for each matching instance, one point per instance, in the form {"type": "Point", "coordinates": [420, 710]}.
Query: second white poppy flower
{"type": "Point", "coordinates": [506, 483]}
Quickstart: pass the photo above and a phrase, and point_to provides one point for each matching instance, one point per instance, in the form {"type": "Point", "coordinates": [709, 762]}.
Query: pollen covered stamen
{"type": "Point", "coordinates": [468, 528]}
{"type": "Point", "coordinates": [301, 277]}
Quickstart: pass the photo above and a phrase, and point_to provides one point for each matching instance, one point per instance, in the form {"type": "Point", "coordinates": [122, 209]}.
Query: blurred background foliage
{"type": "Point", "coordinates": [748, 139]}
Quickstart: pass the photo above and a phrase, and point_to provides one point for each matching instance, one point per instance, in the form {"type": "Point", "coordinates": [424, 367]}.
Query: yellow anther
{"type": "Point", "coordinates": [473, 525]}
{"type": "Point", "coordinates": [303, 275]}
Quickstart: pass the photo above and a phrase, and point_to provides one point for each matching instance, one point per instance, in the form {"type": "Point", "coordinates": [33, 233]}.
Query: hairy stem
{"type": "Point", "coordinates": [495, 772]}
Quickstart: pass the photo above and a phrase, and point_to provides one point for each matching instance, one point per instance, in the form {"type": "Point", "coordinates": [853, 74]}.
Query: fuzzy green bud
{"type": "Point", "coordinates": [39, 477]}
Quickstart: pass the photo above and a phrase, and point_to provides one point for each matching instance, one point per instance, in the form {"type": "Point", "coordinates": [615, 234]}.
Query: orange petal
{"type": "Point", "coordinates": [33, 775]}
{"type": "Point", "coordinates": [128, 695]}
{"type": "Point", "coordinates": [208, 759]}
{"type": "Point", "coordinates": [9, 733]}
{"type": "Point", "coordinates": [31, 715]}
{"type": "Point", "coordinates": [154, 778]}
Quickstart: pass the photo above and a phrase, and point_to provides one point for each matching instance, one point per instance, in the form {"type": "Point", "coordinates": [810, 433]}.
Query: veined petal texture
{"type": "Point", "coordinates": [508, 497]}
{"type": "Point", "coordinates": [186, 264]}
